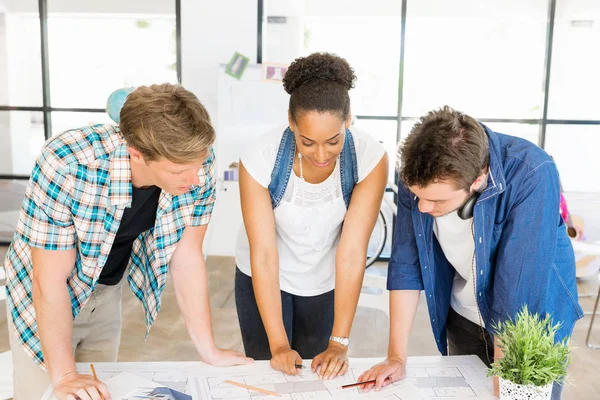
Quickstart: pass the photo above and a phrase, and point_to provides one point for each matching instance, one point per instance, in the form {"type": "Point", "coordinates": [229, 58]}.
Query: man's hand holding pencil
{"type": "Point", "coordinates": [79, 386]}
{"type": "Point", "coordinates": [391, 370]}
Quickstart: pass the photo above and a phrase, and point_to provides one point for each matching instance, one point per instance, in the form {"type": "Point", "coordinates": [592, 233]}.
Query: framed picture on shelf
{"type": "Point", "coordinates": [272, 72]}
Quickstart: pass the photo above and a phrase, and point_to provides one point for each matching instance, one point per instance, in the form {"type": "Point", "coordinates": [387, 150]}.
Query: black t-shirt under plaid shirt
{"type": "Point", "coordinates": [136, 220]}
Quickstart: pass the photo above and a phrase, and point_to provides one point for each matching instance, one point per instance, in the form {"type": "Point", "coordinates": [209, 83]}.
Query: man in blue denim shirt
{"type": "Point", "coordinates": [479, 230]}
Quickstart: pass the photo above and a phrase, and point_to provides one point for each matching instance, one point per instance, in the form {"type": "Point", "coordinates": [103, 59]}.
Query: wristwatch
{"type": "Point", "coordinates": [344, 341]}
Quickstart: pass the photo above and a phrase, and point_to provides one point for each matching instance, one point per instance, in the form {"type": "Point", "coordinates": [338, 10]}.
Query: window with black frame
{"type": "Point", "coordinates": [59, 62]}
{"type": "Point", "coordinates": [522, 68]}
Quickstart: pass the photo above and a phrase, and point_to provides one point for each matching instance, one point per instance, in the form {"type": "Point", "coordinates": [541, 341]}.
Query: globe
{"type": "Point", "coordinates": [115, 102]}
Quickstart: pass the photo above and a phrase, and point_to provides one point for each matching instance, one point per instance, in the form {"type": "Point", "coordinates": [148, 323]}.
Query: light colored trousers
{"type": "Point", "coordinates": [96, 338]}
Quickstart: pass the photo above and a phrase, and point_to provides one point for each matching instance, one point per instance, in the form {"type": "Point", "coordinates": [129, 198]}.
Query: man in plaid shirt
{"type": "Point", "coordinates": [104, 201]}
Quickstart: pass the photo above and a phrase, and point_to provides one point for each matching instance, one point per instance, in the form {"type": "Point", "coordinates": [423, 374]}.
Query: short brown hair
{"type": "Point", "coordinates": [167, 121]}
{"type": "Point", "coordinates": [444, 144]}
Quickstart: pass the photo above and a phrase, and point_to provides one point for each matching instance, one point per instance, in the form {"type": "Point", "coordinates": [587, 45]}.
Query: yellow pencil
{"type": "Point", "coordinates": [95, 377]}
{"type": "Point", "coordinates": [254, 388]}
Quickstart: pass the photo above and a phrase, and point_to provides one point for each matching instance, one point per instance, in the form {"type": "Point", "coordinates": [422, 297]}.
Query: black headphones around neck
{"type": "Point", "coordinates": [466, 210]}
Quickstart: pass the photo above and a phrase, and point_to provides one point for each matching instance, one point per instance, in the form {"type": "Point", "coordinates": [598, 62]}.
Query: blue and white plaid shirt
{"type": "Point", "coordinates": [79, 188]}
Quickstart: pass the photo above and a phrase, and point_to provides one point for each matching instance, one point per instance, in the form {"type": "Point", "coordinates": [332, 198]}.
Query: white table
{"type": "Point", "coordinates": [435, 377]}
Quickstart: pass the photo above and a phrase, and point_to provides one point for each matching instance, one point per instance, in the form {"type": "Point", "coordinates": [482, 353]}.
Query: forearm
{"type": "Point", "coordinates": [265, 280]}
{"type": "Point", "coordinates": [348, 283]}
{"type": "Point", "coordinates": [403, 308]}
{"type": "Point", "coordinates": [191, 290]}
{"type": "Point", "coordinates": [55, 327]}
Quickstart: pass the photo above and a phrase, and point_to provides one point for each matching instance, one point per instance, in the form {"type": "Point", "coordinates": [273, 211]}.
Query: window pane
{"type": "Point", "coordinates": [575, 151]}
{"type": "Point", "coordinates": [20, 54]}
{"type": "Point", "coordinates": [385, 133]}
{"type": "Point", "coordinates": [22, 137]}
{"type": "Point", "coordinates": [525, 131]}
{"type": "Point", "coordinates": [390, 217]}
{"type": "Point", "coordinates": [93, 51]}
{"type": "Point", "coordinates": [405, 128]}
{"type": "Point", "coordinates": [11, 197]}
{"type": "Point", "coordinates": [367, 35]}
{"type": "Point", "coordinates": [481, 57]}
{"type": "Point", "coordinates": [378, 234]}
{"type": "Point", "coordinates": [376, 67]}
{"type": "Point", "coordinates": [63, 121]}
{"type": "Point", "coordinates": [574, 82]}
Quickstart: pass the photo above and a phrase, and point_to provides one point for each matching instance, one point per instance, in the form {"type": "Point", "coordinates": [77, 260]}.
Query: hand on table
{"type": "Point", "coordinates": [391, 370]}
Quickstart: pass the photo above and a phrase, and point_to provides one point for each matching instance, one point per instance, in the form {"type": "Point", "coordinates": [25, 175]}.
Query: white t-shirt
{"type": "Point", "coordinates": [456, 240]}
{"type": "Point", "coordinates": [308, 221]}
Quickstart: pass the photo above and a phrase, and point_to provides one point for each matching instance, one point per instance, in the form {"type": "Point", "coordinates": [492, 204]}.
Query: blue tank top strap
{"type": "Point", "coordinates": [348, 167]}
{"type": "Point", "coordinates": [284, 162]}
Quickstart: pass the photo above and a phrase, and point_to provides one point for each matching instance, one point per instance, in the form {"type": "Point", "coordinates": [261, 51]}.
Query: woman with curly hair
{"type": "Point", "coordinates": [310, 196]}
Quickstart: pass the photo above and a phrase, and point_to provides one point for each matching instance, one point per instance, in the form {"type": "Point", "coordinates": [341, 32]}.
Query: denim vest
{"type": "Point", "coordinates": [285, 162]}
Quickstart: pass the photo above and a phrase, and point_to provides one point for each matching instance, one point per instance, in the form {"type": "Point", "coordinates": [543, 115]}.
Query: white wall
{"type": "Point", "coordinates": [211, 32]}
{"type": "Point", "coordinates": [283, 42]}
{"type": "Point", "coordinates": [333, 8]}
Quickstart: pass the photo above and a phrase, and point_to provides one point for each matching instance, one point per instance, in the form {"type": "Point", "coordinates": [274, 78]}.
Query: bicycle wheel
{"type": "Point", "coordinates": [377, 240]}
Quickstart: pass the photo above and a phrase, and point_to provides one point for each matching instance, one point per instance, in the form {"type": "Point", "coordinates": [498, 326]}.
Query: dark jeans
{"type": "Point", "coordinates": [466, 338]}
{"type": "Point", "coordinates": [307, 320]}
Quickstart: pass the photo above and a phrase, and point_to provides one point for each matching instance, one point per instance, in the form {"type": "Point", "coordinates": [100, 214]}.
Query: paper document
{"type": "Point", "coordinates": [170, 374]}
{"type": "Point", "coordinates": [304, 386]}
{"type": "Point", "coordinates": [432, 378]}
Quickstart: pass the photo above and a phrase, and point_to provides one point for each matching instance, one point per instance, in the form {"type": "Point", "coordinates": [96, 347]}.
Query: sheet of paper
{"type": "Point", "coordinates": [126, 386]}
{"type": "Point", "coordinates": [449, 378]}
{"type": "Point", "coordinates": [432, 378]}
{"type": "Point", "coordinates": [305, 386]}
{"type": "Point", "coordinates": [170, 374]}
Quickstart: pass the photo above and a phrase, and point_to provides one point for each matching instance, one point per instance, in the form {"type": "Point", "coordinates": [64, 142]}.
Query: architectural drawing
{"type": "Point", "coordinates": [305, 386]}
{"type": "Point", "coordinates": [450, 378]}
{"type": "Point", "coordinates": [432, 378]}
{"type": "Point", "coordinates": [169, 374]}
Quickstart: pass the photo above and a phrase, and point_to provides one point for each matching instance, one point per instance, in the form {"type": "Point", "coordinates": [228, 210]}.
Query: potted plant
{"type": "Point", "coordinates": [532, 361]}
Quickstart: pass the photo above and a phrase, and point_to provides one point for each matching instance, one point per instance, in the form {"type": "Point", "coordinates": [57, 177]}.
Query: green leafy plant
{"type": "Point", "coordinates": [530, 355]}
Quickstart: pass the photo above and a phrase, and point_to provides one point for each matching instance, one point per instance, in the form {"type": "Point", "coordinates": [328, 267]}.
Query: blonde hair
{"type": "Point", "coordinates": [166, 121]}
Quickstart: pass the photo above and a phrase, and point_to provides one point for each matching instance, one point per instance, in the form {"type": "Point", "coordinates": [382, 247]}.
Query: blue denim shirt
{"type": "Point", "coordinates": [523, 254]}
{"type": "Point", "coordinates": [284, 162]}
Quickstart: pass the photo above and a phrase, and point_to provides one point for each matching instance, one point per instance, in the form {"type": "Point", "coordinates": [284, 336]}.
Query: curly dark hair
{"type": "Point", "coordinates": [319, 82]}
{"type": "Point", "coordinates": [444, 144]}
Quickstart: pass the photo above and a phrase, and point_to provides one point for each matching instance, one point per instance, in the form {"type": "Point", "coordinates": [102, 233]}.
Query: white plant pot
{"type": "Point", "coordinates": [513, 391]}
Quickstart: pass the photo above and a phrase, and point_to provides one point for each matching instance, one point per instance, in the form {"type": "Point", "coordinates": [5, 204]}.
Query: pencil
{"type": "Point", "coordinates": [95, 377]}
{"type": "Point", "coordinates": [299, 366]}
{"type": "Point", "coordinates": [254, 388]}
{"type": "Point", "coordinates": [351, 385]}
